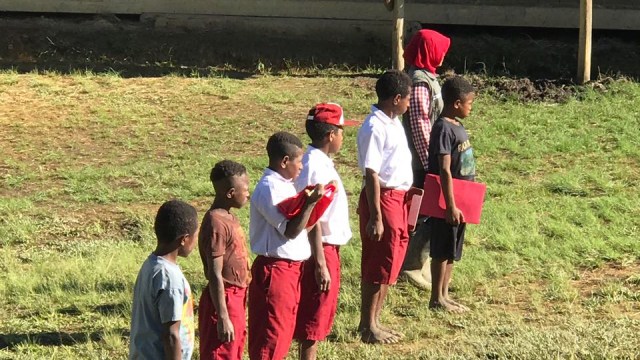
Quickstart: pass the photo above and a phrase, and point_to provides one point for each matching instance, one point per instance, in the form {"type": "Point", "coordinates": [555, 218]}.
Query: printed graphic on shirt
{"type": "Point", "coordinates": [467, 161]}
{"type": "Point", "coordinates": [187, 324]}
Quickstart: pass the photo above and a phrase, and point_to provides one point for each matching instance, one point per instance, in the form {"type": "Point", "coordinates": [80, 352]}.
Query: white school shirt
{"type": "Point", "coordinates": [267, 224]}
{"type": "Point", "coordinates": [318, 168]}
{"type": "Point", "coordinates": [383, 148]}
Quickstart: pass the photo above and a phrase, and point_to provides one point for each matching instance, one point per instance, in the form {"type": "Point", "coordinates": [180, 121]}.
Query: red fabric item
{"type": "Point", "coordinates": [426, 50]}
{"type": "Point", "coordinates": [290, 207]}
{"type": "Point", "coordinates": [210, 347]}
{"type": "Point", "coordinates": [274, 295]}
{"type": "Point", "coordinates": [381, 260]}
{"type": "Point", "coordinates": [318, 309]}
{"type": "Point", "coordinates": [469, 197]}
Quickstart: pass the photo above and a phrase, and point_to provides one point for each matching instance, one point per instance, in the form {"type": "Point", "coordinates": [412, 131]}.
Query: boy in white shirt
{"type": "Point", "coordinates": [385, 160]}
{"type": "Point", "coordinates": [321, 274]}
{"type": "Point", "coordinates": [282, 246]}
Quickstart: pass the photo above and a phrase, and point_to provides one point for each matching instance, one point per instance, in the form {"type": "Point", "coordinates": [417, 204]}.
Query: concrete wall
{"type": "Point", "coordinates": [608, 14]}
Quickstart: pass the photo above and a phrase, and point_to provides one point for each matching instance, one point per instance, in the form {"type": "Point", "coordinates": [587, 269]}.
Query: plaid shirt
{"type": "Point", "coordinates": [419, 107]}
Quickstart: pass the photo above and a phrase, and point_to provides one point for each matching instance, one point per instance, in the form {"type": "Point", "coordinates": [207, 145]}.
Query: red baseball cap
{"type": "Point", "coordinates": [329, 113]}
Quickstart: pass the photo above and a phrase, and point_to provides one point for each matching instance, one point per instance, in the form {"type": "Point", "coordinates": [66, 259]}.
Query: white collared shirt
{"type": "Point", "coordinates": [383, 148]}
{"type": "Point", "coordinates": [267, 224]}
{"type": "Point", "coordinates": [319, 169]}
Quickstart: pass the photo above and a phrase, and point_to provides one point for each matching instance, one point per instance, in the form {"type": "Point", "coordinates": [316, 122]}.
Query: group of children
{"type": "Point", "coordinates": [293, 283]}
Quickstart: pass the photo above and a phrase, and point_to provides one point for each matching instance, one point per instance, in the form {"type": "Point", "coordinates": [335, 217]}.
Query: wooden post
{"type": "Point", "coordinates": [584, 48]}
{"type": "Point", "coordinates": [398, 34]}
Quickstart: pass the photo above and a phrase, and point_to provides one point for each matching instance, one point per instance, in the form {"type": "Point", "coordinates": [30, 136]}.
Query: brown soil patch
{"type": "Point", "coordinates": [591, 280]}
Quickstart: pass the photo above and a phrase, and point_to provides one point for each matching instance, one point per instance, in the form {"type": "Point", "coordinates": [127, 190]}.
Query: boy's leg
{"type": "Point", "coordinates": [368, 327]}
{"type": "Point", "coordinates": [438, 270]}
{"type": "Point", "coordinates": [442, 255]}
{"type": "Point", "coordinates": [459, 242]}
{"type": "Point", "coordinates": [308, 350]}
{"type": "Point", "coordinates": [384, 289]}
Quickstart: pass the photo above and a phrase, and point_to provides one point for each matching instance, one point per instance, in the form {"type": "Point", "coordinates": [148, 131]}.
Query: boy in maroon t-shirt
{"type": "Point", "coordinates": [224, 256]}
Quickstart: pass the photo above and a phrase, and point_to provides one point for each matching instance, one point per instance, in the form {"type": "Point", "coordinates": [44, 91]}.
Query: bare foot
{"type": "Point", "coordinates": [445, 306]}
{"type": "Point", "coordinates": [377, 336]}
{"type": "Point", "coordinates": [457, 304]}
{"type": "Point", "coordinates": [391, 331]}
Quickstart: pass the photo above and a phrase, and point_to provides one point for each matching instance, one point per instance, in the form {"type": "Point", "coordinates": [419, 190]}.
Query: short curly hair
{"type": "Point", "coordinates": [226, 169]}
{"type": "Point", "coordinates": [456, 88]}
{"type": "Point", "coordinates": [175, 218]}
{"type": "Point", "coordinates": [283, 144]}
{"type": "Point", "coordinates": [392, 83]}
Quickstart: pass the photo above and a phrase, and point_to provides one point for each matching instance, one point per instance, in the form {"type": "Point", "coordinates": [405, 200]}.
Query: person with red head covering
{"type": "Point", "coordinates": [424, 54]}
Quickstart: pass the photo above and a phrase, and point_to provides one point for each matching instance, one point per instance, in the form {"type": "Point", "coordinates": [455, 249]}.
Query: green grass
{"type": "Point", "coordinates": [552, 271]}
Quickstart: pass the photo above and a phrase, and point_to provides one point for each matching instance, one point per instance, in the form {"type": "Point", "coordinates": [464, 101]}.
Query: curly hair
{"type": "Point", "coordinates": [226, 169]}
{"type": "Point", "coordinates": [392, 83]}
{"type": "Point", "coordinates": [175, 218]}
{"type": "Point", "coordinates": [283, 144]}
{"type": "Point", "coordinates": [456, 88]}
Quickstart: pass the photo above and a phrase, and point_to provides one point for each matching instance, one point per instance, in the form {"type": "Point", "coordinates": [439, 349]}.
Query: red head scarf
{"type": "Point", "coordinates": [426, 50]}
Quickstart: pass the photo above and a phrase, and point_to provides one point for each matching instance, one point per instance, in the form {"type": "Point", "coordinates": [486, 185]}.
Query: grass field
{"type": "Point", "coordinates": [85, 160]}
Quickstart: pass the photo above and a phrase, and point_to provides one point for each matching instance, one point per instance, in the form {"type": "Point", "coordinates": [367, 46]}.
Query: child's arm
{"type": "Point", "coordinates": [299, 222]}
{"type": "Point", "coordinates": [171, 340]}
{"type": "Point", "coordinates": [226, 332]}
{"type": "Point", "coordinates": [323, 278]}
{"type": "Point", "coordinates": [372, 186]}
{"type": "Point", "coordinates": [453, 214]}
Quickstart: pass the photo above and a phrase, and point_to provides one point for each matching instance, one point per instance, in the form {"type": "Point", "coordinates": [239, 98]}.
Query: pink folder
{"type": "Point", "coordinates": [469, 197]}
{"type": "Point", "coordinates": [414, 198]}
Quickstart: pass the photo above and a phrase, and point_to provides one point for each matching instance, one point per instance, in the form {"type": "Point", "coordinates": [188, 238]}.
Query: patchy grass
{"type": "Point", "coordinates": [552, 272]}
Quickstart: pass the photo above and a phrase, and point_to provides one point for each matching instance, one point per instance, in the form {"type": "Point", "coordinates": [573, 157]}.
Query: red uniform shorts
{"type": "Point", "coordinates": [274, 295]}
{"type": "Point", "coordinates": [210, 347]}
{"type": "Point", "coordinates": [382, 260]}
{"type": "Point", "coordinates": [318, 309]}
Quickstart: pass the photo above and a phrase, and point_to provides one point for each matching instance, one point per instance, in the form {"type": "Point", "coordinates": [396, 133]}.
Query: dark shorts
{"type": "Point", "coordinates": [446, 240]}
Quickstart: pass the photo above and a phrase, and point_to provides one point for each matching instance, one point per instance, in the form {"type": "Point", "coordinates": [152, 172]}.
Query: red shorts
{"type": "Point", "coordinates": [274, 295]}
{"type": "Point", "coordinates": [318, 309]}
{"type": "Point", "coordinates": [382, 260]}
{"type": "Point", "coordinates": [210, 347]}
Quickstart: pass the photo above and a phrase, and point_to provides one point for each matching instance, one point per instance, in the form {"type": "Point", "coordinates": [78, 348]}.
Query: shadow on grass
{"type": "Point", "coordinates": [10, 341]}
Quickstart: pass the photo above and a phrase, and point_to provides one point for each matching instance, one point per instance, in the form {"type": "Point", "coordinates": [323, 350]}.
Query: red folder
{"type": "Point", "coordinates": [290, 207]}
{"type": "Point", "coordinates": [469, 197]}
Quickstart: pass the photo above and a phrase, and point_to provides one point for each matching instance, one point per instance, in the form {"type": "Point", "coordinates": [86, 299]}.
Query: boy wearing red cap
{"type": "Point", "coordinates": [384, 158]}
{"type": "Point", "coordinates": [424, 54]}
{"type": "Point", "coordinates": [282, 246]}
{"type": "Point", "coordinates": [321, 274]}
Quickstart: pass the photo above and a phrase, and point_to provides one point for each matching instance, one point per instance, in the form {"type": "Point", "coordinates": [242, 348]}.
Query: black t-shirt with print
{"type": "Point", "coordinates": [449, 138]}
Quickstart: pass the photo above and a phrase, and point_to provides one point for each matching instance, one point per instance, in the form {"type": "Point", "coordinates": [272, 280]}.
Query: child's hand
{"type": "Point", "coordinates": [454, 216]}
{"type": "Point", "coordinates": [334, 183]}
{"type": "Point", "coordinates": [226, 333]}
{"type": "Point", "coordinates": [323, 278]}
{"type": "Point", "coordinates": [375, 228]}
{"type": "Point", "coordinates": [316, 194]}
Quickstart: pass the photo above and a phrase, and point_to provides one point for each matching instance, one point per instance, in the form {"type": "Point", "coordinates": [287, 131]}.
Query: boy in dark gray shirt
{"type": "Point", "coordinates": [450, 157]}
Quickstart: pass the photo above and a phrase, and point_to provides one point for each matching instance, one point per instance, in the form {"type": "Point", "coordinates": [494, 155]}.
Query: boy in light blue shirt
{"type": "Point", "coordinates": [162, 321]}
